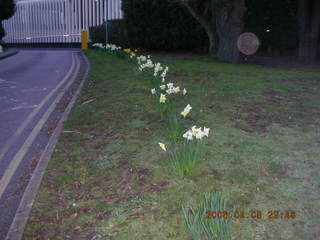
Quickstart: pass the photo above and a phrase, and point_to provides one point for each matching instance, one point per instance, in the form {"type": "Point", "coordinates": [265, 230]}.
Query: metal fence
{"type": "Point", "coordinates": [57, 21]}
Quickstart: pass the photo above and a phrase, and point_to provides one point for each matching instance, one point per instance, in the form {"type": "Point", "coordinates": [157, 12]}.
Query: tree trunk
{"type": "Point", "coordinates": [309, 24]}
{"type": "Point", "coordinates": [209, 27]}
{"type": "Point", "coordinates": [230, 23]}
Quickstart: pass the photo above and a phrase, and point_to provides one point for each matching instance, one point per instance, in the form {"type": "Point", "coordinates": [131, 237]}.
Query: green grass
{"type": "Point", "coordinates": [262, 153]}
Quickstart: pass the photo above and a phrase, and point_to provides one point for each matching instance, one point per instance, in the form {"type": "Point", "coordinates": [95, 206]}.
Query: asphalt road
{"type": "Point", "coordinates": [30, 84]}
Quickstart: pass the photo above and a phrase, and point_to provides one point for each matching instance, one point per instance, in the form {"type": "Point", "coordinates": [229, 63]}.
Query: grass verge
{"type": "Point", "coordinates": [108, 179]}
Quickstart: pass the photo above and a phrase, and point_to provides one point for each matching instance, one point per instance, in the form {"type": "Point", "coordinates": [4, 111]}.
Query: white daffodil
{"type": "Point", "coordinates": [200, 134]}
{"type": "Point", "coordinates": [169, 91]}
{"type": "Point", "coordinates": [188, 135]}
{"type": "Point", "coordinates": [195, 130]}
{"type": "Point", "coordinates": [184, 92]}
{"type": "Point", "coordinates": [163, 79]}
{"type": "Point", "coordinates": [163, 98]}
{"type": "Point", "coordinates": [186, 110]}
{"type": "Point", "coordinates": [170, 85]}
{"type": "Point", "coordinates": [206, 131]}
{"type": "Point", "coordinates": [162, 146]}
{"type": "Point", "coordinates": [184, 113]}
{"type": "Point", "coordinates": [163, 87]}
{"type": "Point", "coordinates": [188, 107]}
{"type": "Point", "coordinates": [197, 133]}
{"type": "Point", "coordinates": [176, 89]}
{"type": "Point", "coordinates": [153, 91]}
{"type": "Point", "coordinates": [157, 68]}
{"type": "Point", "coordinates": [164, 73]}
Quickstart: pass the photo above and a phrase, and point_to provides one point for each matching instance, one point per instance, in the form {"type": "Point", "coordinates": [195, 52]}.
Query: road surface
{"type": "Point", "coordinates": [31, 84]}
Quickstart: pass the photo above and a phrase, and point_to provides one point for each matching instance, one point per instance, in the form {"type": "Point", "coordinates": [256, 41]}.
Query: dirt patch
{"type": "Point", "coordinates": [207, 74]}
{"type": "Point", "coordinates": [172, 74]}
{"type": "Point", "coordinates": [283, 62]}
{"type": "Point", "coordinates": [293, 108]}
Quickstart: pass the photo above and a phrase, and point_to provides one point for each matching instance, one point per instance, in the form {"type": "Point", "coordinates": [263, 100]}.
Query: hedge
{"type": "Point", "coordinates": [162, 25]}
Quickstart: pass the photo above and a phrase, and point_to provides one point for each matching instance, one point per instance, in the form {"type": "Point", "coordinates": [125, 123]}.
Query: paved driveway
{"type": "Point", "coordinates": [30, 84]}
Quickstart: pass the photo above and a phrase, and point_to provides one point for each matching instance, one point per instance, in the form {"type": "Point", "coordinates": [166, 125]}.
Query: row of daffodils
{"type": "Point", "coordinates": [185, 148]}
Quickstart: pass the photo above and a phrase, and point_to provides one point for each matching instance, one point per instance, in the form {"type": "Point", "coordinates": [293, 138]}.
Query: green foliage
{"type": "Point", "coordinates": [201, 227]}
{"type": "Point", "coordinates": [98, 34]}
{"type": "Point", "coordinates": [175, 126]}
{"type": "Point", "coordinates": [117, 33]}
{"type": "Point", "coordinates": [7, 9]}
{"type": "Point", "coordinates": [185, 156]}
{"type": "Point", "coordinates": [275, 23]}
{"type": "Point", "coordinates": [160, 25]}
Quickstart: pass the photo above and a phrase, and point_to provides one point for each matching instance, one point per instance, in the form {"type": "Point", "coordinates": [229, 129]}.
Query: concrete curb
{"type": "Point", "coordinates": [10, 52]}
{"type": "Point", "coordinates": [22, 214]}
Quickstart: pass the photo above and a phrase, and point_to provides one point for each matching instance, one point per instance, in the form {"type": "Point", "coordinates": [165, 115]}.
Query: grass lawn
{"type": "Point", "coordinates": [108, 178]}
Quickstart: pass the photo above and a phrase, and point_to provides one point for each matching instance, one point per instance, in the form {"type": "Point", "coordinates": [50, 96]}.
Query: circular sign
{"type": "Point", "coordinates": [248, 43]}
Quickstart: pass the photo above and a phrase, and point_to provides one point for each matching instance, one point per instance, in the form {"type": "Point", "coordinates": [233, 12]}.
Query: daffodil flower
{"type": "Point", "coordinates": [170, 85]}
{"type": "Point", "coordinates": [163, 98]}
{"type": "Point", "coordinates": [163, 87]}
{"type": "Point", "coordinates": [188, 135]}
{"type": "Point", "coordinates": [162, 146]}
{"type": "Point", "coordinates": [176, 89]}
{"type": "Point", "coordinates": [169, 91]}
{"type": "Point", "coordinates": [153, 91]}
{"type": "Point", "coordinates": [184, 113]}
{"type": "Point", "coordinates": [186, 110]}
{"type": "Point", "coordinates": [206, 131]}
{"type": "Point", "coordinates": [184, 91]}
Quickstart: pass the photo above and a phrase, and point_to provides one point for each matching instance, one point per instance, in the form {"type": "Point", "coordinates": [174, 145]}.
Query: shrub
{"type": "Point", "coordinates": [160, 25]}
{"type": "Point", "coordinates": [116, 33]}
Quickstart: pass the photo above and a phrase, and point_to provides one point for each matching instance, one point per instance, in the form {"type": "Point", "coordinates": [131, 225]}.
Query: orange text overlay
{"type": "Point", "coordinates": [253, 214]}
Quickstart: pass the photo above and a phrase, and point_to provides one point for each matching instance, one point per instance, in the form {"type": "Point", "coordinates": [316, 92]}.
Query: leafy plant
{"type": "Point", "coordinates": [201, 227]}
{"type": "Point", "coordinates": [184, 157]}
{"type": "Point", "coordinates": [175, 126]}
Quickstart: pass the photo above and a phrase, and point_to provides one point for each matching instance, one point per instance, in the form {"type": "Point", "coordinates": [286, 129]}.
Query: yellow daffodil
{"type": "Point", "coordinates": [162, 146]}
{"type": "Point", "coordinates": [163, 98]}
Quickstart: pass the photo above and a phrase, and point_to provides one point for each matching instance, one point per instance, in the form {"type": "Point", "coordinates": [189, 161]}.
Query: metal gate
{"type": "Point", "coordinates": [57, 21]}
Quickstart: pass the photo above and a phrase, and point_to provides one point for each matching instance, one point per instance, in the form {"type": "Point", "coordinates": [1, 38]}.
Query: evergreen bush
{"type": "Point", "coordinates": [162, 25]}
{"type": "Point", "coordinates": [117, 33]}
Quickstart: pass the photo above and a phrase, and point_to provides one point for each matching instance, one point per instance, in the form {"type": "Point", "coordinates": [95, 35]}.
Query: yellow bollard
{"type": "Point", "coordinates": [84, 40]}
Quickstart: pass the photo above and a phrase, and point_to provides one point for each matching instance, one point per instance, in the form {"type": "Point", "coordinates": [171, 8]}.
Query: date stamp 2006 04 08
{"type": "Point", "coordinates": [253, 214]}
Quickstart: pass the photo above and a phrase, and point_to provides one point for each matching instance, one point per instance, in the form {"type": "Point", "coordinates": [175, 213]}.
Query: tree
{"type": "Point", "coordinates": [309, 29]}
{"type": "Point", "coordinates": [7, 9]}
{"type": "Point", "coordinates": [223, 21]}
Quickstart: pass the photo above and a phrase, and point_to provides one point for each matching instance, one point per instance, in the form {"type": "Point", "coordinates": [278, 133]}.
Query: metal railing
{"type": "Point", "coordinates": [57, 21]}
